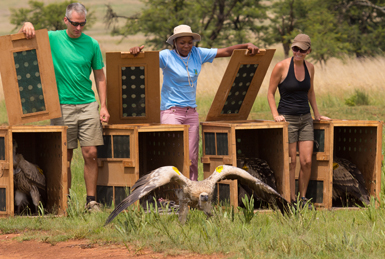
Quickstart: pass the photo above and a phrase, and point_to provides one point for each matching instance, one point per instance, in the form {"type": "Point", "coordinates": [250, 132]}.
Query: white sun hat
{"type": "Point", "coordinates": [181, 31]}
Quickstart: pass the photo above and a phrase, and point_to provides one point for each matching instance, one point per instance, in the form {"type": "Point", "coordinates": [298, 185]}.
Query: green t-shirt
{"type": "Point", "coordinates": [73, 60]}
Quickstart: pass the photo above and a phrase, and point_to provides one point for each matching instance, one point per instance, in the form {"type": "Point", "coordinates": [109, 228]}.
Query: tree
{"type": "Point", "coordinates": [43, 16]}
{"type": "Point", "coordinates": [363, 23]}
{"type": "Point", "coordinates": [324, 29]}
{"type": "Point", "coordinates": [283, 20]}
{"type": "Point", "coordinates": [221, 22]}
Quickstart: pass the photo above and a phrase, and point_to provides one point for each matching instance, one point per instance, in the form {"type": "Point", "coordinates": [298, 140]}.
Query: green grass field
{"type": "Point", "coordinates": [356, 233]}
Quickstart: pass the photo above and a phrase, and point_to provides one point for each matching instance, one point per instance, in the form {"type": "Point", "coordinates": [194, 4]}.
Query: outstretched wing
{"type": "Point", "coordinates": [146, 184]}
{"type": "Point", "coordinates": [262, 190]}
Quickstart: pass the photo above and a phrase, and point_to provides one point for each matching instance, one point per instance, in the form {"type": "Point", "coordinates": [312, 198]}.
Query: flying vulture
{"type": "Point", "coordinates": [198, 194]}
{"type": "Point", "coordinates": [348, 181]}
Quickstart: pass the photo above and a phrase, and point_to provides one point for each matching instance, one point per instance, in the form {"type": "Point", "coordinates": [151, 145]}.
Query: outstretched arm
{"type": "Point", "coordinates": [28, 29]}
{"type": "Point", "coordinates": [226, 52]}
{"type": "Point", "coordinates": [100, 81]}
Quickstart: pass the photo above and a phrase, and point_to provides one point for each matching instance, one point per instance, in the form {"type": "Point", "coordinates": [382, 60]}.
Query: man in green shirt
{"type": "Point", "coordinates": [74, 56]}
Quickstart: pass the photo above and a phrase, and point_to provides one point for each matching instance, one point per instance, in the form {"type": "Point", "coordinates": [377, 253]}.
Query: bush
{"type": "Point", "coordinates": [358, 98]}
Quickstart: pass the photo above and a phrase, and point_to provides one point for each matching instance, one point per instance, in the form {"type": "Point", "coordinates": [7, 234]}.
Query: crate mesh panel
{"type": "Point", "coordinates": [2, 148]}
{"type": "Point", "coordinates": [222, 144]}
{"type": "Point", "coordinates": [105, 195]}
{"type": "Point", "coordinates": [319, 140]}
{"type": "Point", "coordinates": [3, 204]}
{"type": "Point", "coordinates": [210, 143]}
{"type": "Point", "coordinates": [133, 92]}
{"type": "Point", "coordinates": [28, 76]}
{"type": "Point", "coordinates": [105, 151]}
{"type": "Point", "coordinates": [121, 146]}
{"type": "Point", "coordinates": [355, 139]}
{"type": "Point", "coordinates": [239, 89]}
{"type": "Point", "coordinates": [121, 193]}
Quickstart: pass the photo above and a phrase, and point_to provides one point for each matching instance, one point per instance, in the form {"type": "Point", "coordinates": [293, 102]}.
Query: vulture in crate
{"type": "Point", "coordinates": [258, 168]}
{"type": "Point", "coordinates": [198, 194]}
{"type": "Point", "coordinates": [29, 180]}
{"type": "Point", "coordinates": [348, 181]}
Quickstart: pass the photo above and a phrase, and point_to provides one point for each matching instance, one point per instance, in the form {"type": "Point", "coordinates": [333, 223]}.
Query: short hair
{"type": "Point", "coordinates": [77, 7]}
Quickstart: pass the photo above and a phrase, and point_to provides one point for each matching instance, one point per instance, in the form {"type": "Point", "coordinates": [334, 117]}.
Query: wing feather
{"type": "Point", "coordinates": [148, 183]}
{"type": "Point", "coordinates": [31, 172]}
{"type": "Point", "coordinates": [262, 190]}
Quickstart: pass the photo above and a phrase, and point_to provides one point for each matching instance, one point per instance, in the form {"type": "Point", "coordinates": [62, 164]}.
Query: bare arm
{"type": "Point", "coordinates": [275, 79]}
{"type": "Point", "coordinates": [311, 95]}
{"type": "Point", "coordinates": [28, 30]}
{"type": "Point", "coordinates": [101, 86]}
{"type": "Point", "coordinates": [226, 52]}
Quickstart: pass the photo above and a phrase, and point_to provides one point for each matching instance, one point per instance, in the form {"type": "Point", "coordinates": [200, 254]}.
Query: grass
{"type": "Point", "coordinates": [307, 234]}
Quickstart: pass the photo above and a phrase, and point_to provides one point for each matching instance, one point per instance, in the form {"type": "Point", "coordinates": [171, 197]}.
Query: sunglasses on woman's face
{"type": "Point", "coordinates": [296, 49]}
{"type": "Point", "coordinates": [76, 24]}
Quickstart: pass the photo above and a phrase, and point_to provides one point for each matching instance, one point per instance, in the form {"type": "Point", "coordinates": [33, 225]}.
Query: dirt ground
{"type": "Point", "coordinates": [11, 248]}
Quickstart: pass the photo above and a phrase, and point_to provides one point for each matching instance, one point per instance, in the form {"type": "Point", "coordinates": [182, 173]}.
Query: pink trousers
{"type": "Point", "coordinates": [187, 116]}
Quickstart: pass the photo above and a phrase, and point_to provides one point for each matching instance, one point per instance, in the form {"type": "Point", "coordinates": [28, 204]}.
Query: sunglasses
{"type": "Point", "coordinates": [76, 24]}
{"type": "Point", "coordinates": [296, 49]}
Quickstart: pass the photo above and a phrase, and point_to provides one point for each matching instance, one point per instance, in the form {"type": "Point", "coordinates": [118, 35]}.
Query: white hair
{"type": "Point", "coordinates": [77, 7]}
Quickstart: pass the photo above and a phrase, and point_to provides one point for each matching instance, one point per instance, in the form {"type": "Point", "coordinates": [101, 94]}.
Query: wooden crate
{"type": "Point", "coordinates": [224, 142]}
{"type": "Point", "coordinates": [131, 151]}
{"type": "Point", "coordinates": [27, 72]}
{"type": "Point", "coordinates": [45, 146]}
{"type": "Point", "coordinates": [355, 140]}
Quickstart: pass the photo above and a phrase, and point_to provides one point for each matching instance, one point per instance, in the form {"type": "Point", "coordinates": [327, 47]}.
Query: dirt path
{"type": "Point", "coordinates": [11, 248]}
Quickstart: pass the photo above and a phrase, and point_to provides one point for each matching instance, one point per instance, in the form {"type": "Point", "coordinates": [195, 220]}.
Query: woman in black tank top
{"type": "Point", "coordinates": [294, 78]}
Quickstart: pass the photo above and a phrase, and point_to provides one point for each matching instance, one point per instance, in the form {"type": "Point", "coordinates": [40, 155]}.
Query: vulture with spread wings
{"type": "Point", "coordinates": [198, 194]}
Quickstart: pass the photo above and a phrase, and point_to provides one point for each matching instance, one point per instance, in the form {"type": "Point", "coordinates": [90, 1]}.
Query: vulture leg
{"type": "Point", "coordinates": [183, 211]}
{"type": "Point", "coordinates": [35, 198]}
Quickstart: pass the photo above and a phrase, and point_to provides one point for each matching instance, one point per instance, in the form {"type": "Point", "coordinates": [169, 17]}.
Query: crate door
{"type": "Point", "coordinates": [133, 92]}
{"type": "Point", "coordinates": [240, 85]}
{"type": "Point", "coordinates": [28, 78]}
{"type": "Point", "coordinates": [6, 180]}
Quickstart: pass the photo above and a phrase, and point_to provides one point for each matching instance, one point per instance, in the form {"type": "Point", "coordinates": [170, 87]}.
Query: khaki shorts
{"type": "Point", "coordinates": [300, 127]}
{"type": "Point", "coordinates": [83, 124]}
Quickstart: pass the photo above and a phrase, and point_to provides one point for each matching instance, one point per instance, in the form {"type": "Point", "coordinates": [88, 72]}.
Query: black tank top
{"type": "Point", "coordinates": [294, 99]}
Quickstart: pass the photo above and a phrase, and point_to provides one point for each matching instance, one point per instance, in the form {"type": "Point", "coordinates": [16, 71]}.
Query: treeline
{"type": "Point", "coordinates": [337, 27]}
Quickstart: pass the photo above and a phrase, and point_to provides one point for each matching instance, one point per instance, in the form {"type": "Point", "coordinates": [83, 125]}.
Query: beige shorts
{"type": "Point", "coordinates": [300, 127]}
{"type": "Point", "coordinates": [83, 124]}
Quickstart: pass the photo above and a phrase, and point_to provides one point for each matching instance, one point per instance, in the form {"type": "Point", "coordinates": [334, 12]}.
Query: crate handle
{"type": "Point", "coordinates": [261, 52]}
{"type": "Point", "coordinates": [3, 166]}
{"type": "Point", "coordinates": [18, 36]}
{"type": "Point", "coordinates": [129, 55]}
